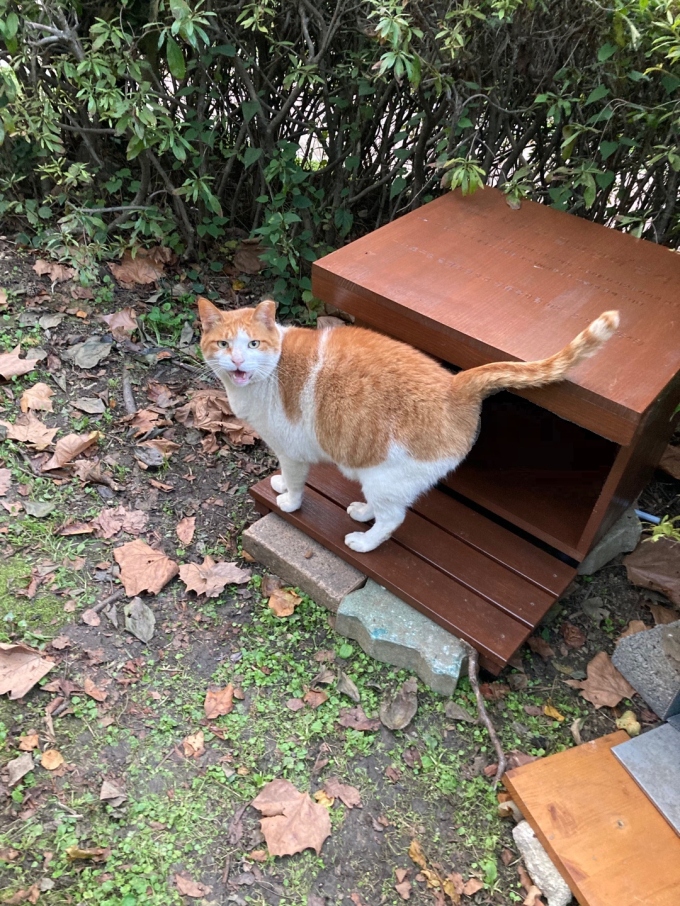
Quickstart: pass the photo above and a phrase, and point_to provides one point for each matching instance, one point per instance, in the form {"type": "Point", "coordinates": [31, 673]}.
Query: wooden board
{"type": "Point", "coordinates": [471, 281]}
{"type": "Point", "coordinates": [473, 577]}
{"type": "Point", "coordinates": [610, 843]}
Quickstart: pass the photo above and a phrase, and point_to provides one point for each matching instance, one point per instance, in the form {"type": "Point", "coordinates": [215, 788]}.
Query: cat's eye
{"type": "Point", "coordinates": [223, 343]}
{"type": "Point", "coordinates": [254, 344]}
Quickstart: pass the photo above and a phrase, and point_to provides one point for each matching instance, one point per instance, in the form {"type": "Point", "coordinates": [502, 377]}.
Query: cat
{"type": "Point", "coordinates": [386, 414]}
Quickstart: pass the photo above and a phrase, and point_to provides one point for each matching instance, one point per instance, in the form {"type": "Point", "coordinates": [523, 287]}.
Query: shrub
{"type": "Point", "coordinates": [310, 122]}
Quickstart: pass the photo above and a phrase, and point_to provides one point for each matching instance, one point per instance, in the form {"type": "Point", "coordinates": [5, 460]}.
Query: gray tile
{"type": "Point", "coordinates": [653, 761]}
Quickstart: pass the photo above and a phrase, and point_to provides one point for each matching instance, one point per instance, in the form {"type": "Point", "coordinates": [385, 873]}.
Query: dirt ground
{"type": "Point", "coordinates": [125, 708]}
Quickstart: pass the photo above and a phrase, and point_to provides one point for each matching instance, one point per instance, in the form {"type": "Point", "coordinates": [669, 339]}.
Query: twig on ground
{"type": "Point", "coordinates": [116, 596]}
{"type": "Point", "coordinates": [473, 669]}
{"type": "Point", "coordinates": [128, 395]}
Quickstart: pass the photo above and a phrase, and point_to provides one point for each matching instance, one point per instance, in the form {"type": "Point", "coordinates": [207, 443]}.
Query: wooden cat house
{"type": "Point", "coordinates": [471, 281]}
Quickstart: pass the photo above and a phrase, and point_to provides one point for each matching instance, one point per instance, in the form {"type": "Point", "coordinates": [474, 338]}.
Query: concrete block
{"type": "Point", "coordinates": [394, 633]}
{"type": "Point", "coordinates": [300, 561]}
{"type": "Point", "coordinates": [650, 661]}
{"type": "Point", "coordinates": [621, 538]}
{"type": "Point", "coordinates": [540, 866]}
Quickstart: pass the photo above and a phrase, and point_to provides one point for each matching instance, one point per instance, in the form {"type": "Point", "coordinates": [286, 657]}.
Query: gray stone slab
{"type": "Point", "coordinates": [653, 761]}
{"type": "Point", "coordinates": [649, 663]}
{"type": "Point", "coordinates": [621, 538]}
{"type": "Point", "coordinates": [540, 866]}
{"type": "Point", "coordinates": [674, 721]}
{"type": "Point", "coordinates": [391, 631]}
{"type": "Point", "coordinates": [300, 561]}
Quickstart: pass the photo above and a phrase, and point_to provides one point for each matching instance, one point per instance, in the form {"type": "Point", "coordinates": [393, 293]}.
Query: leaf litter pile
{"type": "Point", "coordinates": [178, 726]}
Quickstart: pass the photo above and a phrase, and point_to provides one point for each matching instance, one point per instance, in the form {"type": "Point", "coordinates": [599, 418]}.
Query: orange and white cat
{"type": "Point", "coordinates": [387, 415]}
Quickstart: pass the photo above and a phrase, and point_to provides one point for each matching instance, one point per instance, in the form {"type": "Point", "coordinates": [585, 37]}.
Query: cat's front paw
{"type": "Point", "coordinates": [361, 542]}
{"type": "Point", "coordinates": [287, 503]}
{"type": "Point", "coordinates": [278, 484]}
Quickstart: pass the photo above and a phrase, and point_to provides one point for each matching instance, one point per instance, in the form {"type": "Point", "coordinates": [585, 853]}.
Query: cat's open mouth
{"type": "Point", "coordinates": [240, 377]}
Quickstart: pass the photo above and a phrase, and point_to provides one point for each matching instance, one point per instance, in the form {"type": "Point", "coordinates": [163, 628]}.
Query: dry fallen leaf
{"type": "Point", "coordinates": [116, 519]}
{"type": "Point", "coordinates": [112, 794]}
{"type": "Point", "coordinates": [90, 689]}
{"type": "Point", "coordinates": [247, 259]}
{"type": "Point", "coordinates": [58, 273]}
{"type": "Point", "coordinates": [656, 565]}
{"type": "Point", "coordinates": [632, 628]}
{"type": "Point", "coordinates": [540, 646]}
{"type": "Point", "coordinates": [573, 636]}
{"type": "Point", "coordinates": [18, 768]}
{"type": "Point", "coordinates": [415, 851]}
{"type": "Point", "coordinates": [160, 394]}
{"type": "Point", "coordinates": [219, 702]}
{"type": "Point", "coordinates": [185, 529]}
{"type": "Point", "coordinates": [122, 324]}
{"type": "Point", "coordinates": [283, 601]}
{"type": "Point", "coordinates": [670, 461]}
{"type": "Point", "coordinates": [209, 410]}
{"type": "Point", "coordinates": [69, 447]}
{"type": "Point", "coordinates": [348, 794]}
{"type": "Point", "coordinates": [398, 712]}
{"type": "Point", "coordinates": [322, 797]}
{"type": "Point", "coordinates": [551, 711]}
{"type": "Point", "coordinates": [604, 685]}
{"type": "Point", "coordinates": [5, 481]}
{"type": "Point", "coordinates": [90, 617]}
{"type": "Point", "coordinates": [662, 615]}
{"type": "Point", "coordinates": [291, 822]}
{"type": "Point", "coordinates": [210, 578]}
{"type": "Point", "coordinates": [145, 267]}
{"type": "Point", "coordinates": [96, 853]}
{"type": "Point", "coordinates": [190, 888]}
{"type": "Point", "coordinates": [51, 759]}
{"type": "Point", "coordinates": [21, 668]}
{"type": "Point", "coordinates": [314, 698]}
{"type": "Point", "coordinates": [355, 719]}
{"type": "Point", "coordinates": [37, 397]}
{"type": "Point", "coordinates": [29, 742]}
{"type": "Point", "coordinates": [194, 745]}
{"type": "Point", "coordinates": [13, 366]}
{"type": "Point", "coordinates": [142, 568]}
{"type": "Point", "coordinates": [28, 429]}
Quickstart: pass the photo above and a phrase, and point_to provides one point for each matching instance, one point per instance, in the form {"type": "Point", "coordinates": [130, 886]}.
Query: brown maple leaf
{"type": "Point", "coordinates": [573, 636]}
{"type": "Point", "coordinates": [604, 684]}
{"type": "Point", "coordinates": [291, 821]}
{"type": "Point", "coordinates": [28, 429]}
{"type": "Point", "coordinates": [185, 529]}
{"type": "Point", "coordinates": [58, 273]}
{"type": "Point", "coordinates": [122, 324]}
{"type": "Point", "coordinates": [69, 447]}
{"type": "Point", "coordinates": [13, 366]}
{"type": "Point", "coordinates": [219, 702]}
{"type": "Point", "coordinates": [37, 397]}
{"type": "Point", "coordinates": [142, 568]}
{"type": "Point", "coordinates": [145, 267]}
{"type": "Point", "coordinates": [283, 601]}
{"type": "Point", "coordinates": [21, 668]}
{"type": "Point", "coordinates": [210, 578]}
{"type": "Point", "coordinates": [350, 795]}
{"type": "Point", "coordinates": [115, 519]}
{"type": "Point", "coordinates": [190, 888]}
{"type": "Point", "coordinates": [656, 565]}
{"type": "Point", "coordinates": [194, 745]}
{"type": "Point", "coordinates": [355, 719]}
{"type": "Point", "coordinates": [5, 481]}
{"type": "Point", "coordinates": [540, 646]}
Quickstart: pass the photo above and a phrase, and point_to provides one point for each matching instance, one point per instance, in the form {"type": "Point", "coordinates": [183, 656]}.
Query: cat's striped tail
{"type": "Point", "coordinates": [488, 379]}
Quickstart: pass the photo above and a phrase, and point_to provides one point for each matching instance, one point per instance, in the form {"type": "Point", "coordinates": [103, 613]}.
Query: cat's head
{"type": "Point", "coordinates": [244, 345]}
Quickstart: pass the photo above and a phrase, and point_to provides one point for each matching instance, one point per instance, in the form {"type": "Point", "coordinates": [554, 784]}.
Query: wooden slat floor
{"type": "Point", "coordinates": [610, 843]}
{"type": "Point", "coordinates": [475, 578]}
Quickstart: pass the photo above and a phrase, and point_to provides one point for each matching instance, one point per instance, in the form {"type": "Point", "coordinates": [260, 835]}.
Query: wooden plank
{"type": "Point", "coordinates": [608, 840]}
{"type": "Point", "coordinates": [467, 615]}
{"type": "Point", "coordinates": [469, 566]}
{"type": "Point", "coordinates": [545, 272]}
{"type": "Point", "coordinates": [476, 530]}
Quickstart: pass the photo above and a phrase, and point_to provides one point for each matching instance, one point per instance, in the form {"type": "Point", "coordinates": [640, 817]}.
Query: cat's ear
{"type": "Point", "coordinates": [265, 313]}
{"type": "Point", "coordinates": [209, 314]}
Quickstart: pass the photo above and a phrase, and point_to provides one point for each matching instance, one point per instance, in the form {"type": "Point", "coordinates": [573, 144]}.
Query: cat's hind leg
{"type": "Point", "coordinates": [361, 512]}
{"type": "Point", "coordinates": [389, 515]}
{"type": "Point", "coordinates": [294, 476]}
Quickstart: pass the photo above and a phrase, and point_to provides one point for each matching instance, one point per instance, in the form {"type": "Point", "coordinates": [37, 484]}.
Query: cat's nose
{"type": "Point", "coordinates": [237, 358]}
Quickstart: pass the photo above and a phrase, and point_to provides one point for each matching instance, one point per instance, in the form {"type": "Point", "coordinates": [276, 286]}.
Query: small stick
{"type": "Point", "coordinates": [128, 395]}
{"type": "Point", "coordinates": [116, 596]}
{"type": "Point", "coordinates": [473, 670]}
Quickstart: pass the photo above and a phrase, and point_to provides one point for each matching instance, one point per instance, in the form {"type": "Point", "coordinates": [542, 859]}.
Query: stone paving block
{"type": "Point", "coordinates": [650, 661]}
{"type": "Point", "coordinates": [300, 561]}
{"type": "Point", "coordinates": [540, 866]}
{"type": "Point", "coordinates": [391, 631]}
{"type": "Point", "coordinates": [621, 538]}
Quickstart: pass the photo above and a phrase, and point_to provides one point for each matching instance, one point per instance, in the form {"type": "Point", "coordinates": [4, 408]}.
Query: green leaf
{"type": "Point", "coordinates": [11, 25]}
{"type": "Point", "coordinates": [343, 221]}
{"type": "Point", "coordinates": [606, 51]}
{"type": "Point", "coordinates": [398, 186]}
{"type": "Point", "coordinates": [176, 63]}
{"type": "Point", "coordinates": [604, 180]}
{"type": "Point", "coordinates": [607, 149]}
{"type": "Point", "coordinates": [597, 94]}
{"type": "Point", "coordinates": [251, 155]}
{"type": "Point", "coordinates": [302, 201]}
{"type": "Point", "coordinates": [226, 50]}
{"type": "Point", "coordinates": [249, 109]}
